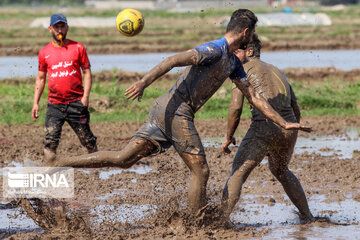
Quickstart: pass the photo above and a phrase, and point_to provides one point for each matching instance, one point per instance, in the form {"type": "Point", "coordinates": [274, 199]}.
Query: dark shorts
{"type": "Point", "coordinates": [264, 138]}
{"type": "Point", "coordinates": [78, 117]}
{"type": "Point", "coordinates": [177, 131]}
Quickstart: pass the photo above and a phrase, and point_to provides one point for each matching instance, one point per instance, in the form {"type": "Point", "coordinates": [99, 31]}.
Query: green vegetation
{"type": "Point", "coordinates": [329, 97]}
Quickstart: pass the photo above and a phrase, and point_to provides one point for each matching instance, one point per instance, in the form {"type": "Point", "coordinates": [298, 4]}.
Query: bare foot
{"type": "Point", "coordinates": [305, 219]}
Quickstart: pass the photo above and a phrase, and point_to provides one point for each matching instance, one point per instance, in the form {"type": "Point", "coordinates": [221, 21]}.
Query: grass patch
{"type": "Point", "coordinates": [329, 97]}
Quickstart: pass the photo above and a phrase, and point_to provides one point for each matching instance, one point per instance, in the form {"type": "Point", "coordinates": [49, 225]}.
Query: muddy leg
{"type": "Point", "coordinates": [133, 151]}
{"type": "Point", "coordinates": [279, 167]}
{"type": "Point", "coordinates": [54, 120]}
{"type": "Point", "coordinates": [199, 176]}
{"type": "Point", "coordinates": [248, 156]}
{"type": "Point", "coordinates": [233, 186]}
{"type": "Point", "coordinates": [78, 117]}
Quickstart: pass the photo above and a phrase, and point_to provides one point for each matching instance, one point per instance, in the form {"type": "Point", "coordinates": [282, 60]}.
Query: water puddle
{"type": "Point", "coordinates": [124, 213]}
{"type": "Point", "coordinates": [342, 212]}
{"type": "Point", "coordinates": [212, 142]}
{"type": "Point", "coordinates": [343, 146]}
{"type": "Point", "coordinates": [11, 164]}
{"type": "Point", "coordinates": [344, 216]}
{"type": "Point", "coordinates": [138, 170]}
{"type": "Point", "coordinates": [115, 192]}
{"type": "Point", "coordinates": [11, 221]}
{"type": "Point", "coordinates": [84, 171]}
{"type": "Point", "coordinates": [311, 232]}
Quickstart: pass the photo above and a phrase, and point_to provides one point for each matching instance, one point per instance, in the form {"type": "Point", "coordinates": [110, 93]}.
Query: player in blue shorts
{"type": "Point", "coordinates": [171, 118]}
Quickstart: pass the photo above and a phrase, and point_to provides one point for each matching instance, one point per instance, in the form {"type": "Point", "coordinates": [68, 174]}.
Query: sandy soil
{"type": "Point", "coordinates": [165, 185]}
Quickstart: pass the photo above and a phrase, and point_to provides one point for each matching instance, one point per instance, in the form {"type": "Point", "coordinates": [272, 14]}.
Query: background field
{"type": "Point", "coordinates": [171, 31]}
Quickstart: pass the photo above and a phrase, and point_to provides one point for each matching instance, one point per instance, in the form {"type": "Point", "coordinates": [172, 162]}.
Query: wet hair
{"type": "Point", "coordinates": [241, 19]}
{"type": "Point", "coordinates": [255, 44]}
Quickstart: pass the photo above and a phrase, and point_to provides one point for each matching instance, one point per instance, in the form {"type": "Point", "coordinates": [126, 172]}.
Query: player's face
{"type": "Point", "coordinates": [59, 29]}
{"type": "Point", "coordinates": [240, 54]}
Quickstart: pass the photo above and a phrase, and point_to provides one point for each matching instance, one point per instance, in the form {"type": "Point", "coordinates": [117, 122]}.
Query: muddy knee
{"type": "Point", "coordinates": [134, 151]}
{"type": "Point", "coordinates": [202, 170]}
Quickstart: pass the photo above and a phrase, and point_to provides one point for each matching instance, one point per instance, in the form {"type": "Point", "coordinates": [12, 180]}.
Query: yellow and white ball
{"type": "Point", "coordinates": [130, 22]}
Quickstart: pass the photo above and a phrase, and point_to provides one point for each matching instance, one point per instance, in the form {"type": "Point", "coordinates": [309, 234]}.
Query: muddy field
{"type": "Point", "coordinates": [149, 200]}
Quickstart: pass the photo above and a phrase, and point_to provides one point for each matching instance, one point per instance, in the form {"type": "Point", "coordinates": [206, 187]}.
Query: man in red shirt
{"type": "Point", "coordinates": [62, 60]}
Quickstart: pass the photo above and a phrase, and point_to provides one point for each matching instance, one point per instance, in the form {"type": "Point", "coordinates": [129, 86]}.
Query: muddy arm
{"type": "Point", "coordinates": [234, 114]}
{"type": "Point", "coordinates": [235, 110]}
{"type": "Point", "coordinates": [260, 102]}
{"type": "Point", "coordinates": [295, 105]}
{"type": "Point", "coordinates": [186, 58]}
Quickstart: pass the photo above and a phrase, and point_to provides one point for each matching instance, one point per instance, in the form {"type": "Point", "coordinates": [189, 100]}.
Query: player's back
{"type": "Point", "coordinates": [273, 85]}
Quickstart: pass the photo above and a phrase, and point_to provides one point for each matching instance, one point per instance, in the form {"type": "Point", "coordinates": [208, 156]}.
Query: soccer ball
{"type": "Point", "coordinates": [130, 22]}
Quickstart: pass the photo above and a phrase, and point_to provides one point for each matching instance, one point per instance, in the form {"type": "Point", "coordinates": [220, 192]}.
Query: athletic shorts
{"type": "Point", "coordinates": [165, 130]}
{"type": "Point", "coordinates": [264, 138]}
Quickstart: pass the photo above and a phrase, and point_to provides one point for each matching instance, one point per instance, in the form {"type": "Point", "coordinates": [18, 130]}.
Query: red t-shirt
{"type": "Point", "coordinates": [62, 65]}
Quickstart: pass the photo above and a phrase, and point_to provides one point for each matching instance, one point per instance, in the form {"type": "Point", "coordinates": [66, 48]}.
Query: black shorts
{"type": "Point", "coordinates": [178, 131]}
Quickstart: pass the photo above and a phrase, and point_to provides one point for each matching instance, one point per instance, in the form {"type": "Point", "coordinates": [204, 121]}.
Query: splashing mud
{"type": "Point", "coordinates": [52, 215]}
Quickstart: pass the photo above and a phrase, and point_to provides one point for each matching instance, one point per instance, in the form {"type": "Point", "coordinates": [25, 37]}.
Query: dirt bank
{"type": "Point", "coordinates": [160, 45]}
{"type": "Point", "coordinates": [294, 74]}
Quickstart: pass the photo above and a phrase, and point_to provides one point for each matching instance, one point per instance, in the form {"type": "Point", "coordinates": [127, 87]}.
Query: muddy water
{"type": "Point", "coordinates": [342, 146]}
{"type": "Point", "coordinates": [11, 67]}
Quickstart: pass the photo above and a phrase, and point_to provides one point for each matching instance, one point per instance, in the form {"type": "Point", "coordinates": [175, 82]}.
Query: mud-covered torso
{"type": "Point", "coordinates": [273, 85]}
{"type": "Point", "coordinates": [199, 82]}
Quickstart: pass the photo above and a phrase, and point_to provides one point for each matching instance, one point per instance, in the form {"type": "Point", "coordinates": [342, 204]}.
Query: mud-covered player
{"type": "Point", "coordinates": [171, 118]}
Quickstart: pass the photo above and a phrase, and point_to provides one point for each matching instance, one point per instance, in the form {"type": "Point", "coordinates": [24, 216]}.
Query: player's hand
{"type": "Point", "coordinates": [135, 91]}
{"type": "Point", "coordinates": [226, 143]}
{"type": "Point", "coordinates": [85, 101]}
{"type": "Point", "coordinates": [297, 126]}
{"type": "Point", "coordinates": [35, 112]}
